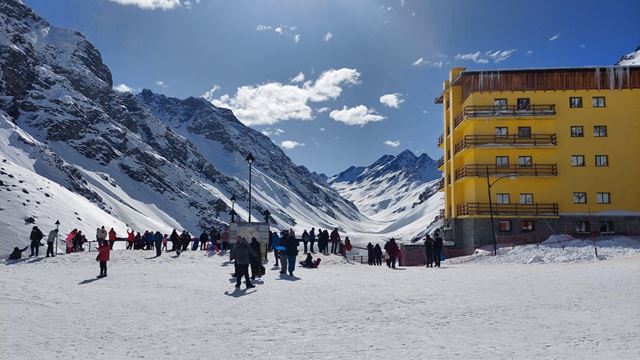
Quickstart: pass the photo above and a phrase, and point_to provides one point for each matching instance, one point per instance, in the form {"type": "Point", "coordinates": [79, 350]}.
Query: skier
{"type": "Point", "coordinates": [370, 256]}
{"type": "Point", "coordinates": [256, 262]}
{"type": "Point", "coordinates": [36, 236]}
{"type": "Point", "coordinates": [312, 239]}
{"type": "Point", "coordinates": [275, 243]}
{"type": "Point", "coordinates": [17, 253]}
{"type": "Point", "coordinates": [112, 238]}
{"type": "Point", "coordinates": [292, 251]}
{"type": "Point", "coordinates": [305, 239]}
{"type": "Point", "coordinates": [157, 239]}
{"type": "Point", "coordinates": [437, 248]}
{"type": "Point", "coordinates": [377, 253]}
{"type": "Point", "coordinates": [53, 234]}
{"type": "Point", "coordinates": [428, 248]}
{"type": "Point", "coordinates": [69, 240]}
{"type": "Point", "coordinates": [103, 257]}
{"type": "Point", "coordinates": [130, 239]}
{"type": "Point", "coordinates": [392, 250]}
{"type": "Point", "coordinates": [335, 239]}
{"type": "Point", "coordinates": [242, 254]}
{"type": "Point", "coordinates": [175, 240]}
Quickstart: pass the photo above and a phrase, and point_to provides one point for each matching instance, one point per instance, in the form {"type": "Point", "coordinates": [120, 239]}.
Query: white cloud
{"type": "Point", "coordinates": [296, 38]}
{"type": "Point", "coordinates": [359, 115]}
{"type": "Point", "coordinates": [403, 2]}
{"type": "Point", "coordinates": [153, 4]}
{"type": "Point", "coordinates": [290, 144]}
{"type": "Point", "coordinates": [161, 84]}
{"type": "Point", "coordinates": [322, 129]}
{"type": "Point", "coordinates": [475, 57]}
{"type": "Point", "coordinates": [322, 110]}
{"type": "Point", "coordinates": [270, 103]}
{"type": "Point", "coordinates": [272, 132]}
{"type": "Point", "coordinates": [327, 36]}
{"type": "Point", "coordinates": [124, 88]}
{"type": "Point", "coordinates": [209, 95]}
{"type": "Point", "coordinates": [529, 52]}
{"type": "Point", "coordinates": [500, 55]}
{"type": "Point", "coordinates": [298, 78]}
{"type": "Point", "coordinates": [263, 27]}
{"type": "Point", "coordinates": [284, 30]}
{"type": "Point", "coordinates": [555, 37]}
{"type": "Point", "coordinates": [392, 100]}
{"type": "Point", "coordinates": [422, 62]}
{"type": "Point", "coordinates": [419, 62]}
{"type": "Point", "coordinates": [392, 143]}
{"type": "Point", "coordinates": [413, 14]}
{"type": "Point", "coordinates": [478, 58]}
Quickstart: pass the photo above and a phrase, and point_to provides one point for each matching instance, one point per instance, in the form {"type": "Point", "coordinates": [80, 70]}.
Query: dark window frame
{"type": "Point", "coordinates": [598, 133]}
{"type": "Point", "coordinates": [501, 127]}
{"type": "Point", "coordinates": [595, 102]}
{"type": "Point", "coordinates": [577, 156]}
{"type": "Point", "coordinates": [600, 196]}
{"type": "Point", "coordinates": [598, 159]}
{"type": "Point", "coordinates": [584, 197]}
{"type": "Point", "coordinates": [606, 227]}
{"type": "Point", "coordinates": [502, 164]}
{"type": "Point", "coordinates": [509, 227]}
{"type": "Point", "coordinates": [527, 229]}
{"type": "Point", "coordinates": [585, 228]}
{"type": "Point", "coordinates": [526, 101]}
{"type": "Point", "coordinates": [526, 134]}
{"type": "Point", "coordinates": [496, 100]}
{"type": "Point", "coordinates": [530, 164]}
{"type": "Point", "coordinates": [501, 196]}
{"type": "Point", "coordinates": [576, 127]}
{"type": "Point", "coordinates": [526, 194]}
{"type": "Point", "coordinates": [579, 105]}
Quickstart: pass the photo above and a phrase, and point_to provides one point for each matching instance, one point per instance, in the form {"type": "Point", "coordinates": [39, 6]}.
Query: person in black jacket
{"type": "Point", "coordinates": [17, 253]}
{"type": "Point", "coordinates": [437, 248]}
{"type": "Point", "coordinates": [256, 261]}
{"type": "Point", "coordinates": [428, 248]}
{"type": "Point", "coordinates": [175, 240]}
{"type": "Point", "coordinates": [36, 236]}
{"type": "Point", "coordinates": [242, 254]}
{"type": "Point", "coordinates": [204, 238]}
{"type": "Point", "coordinates": [157, 239]}
{"type": "Point", "coordinates": [370, 254]}
{"type": "Point", "coordinates": [312, 239]}
{"type": "Point", "coordinates": [292, 251]}
{"type": "Point", "coordinates": [377, 252]}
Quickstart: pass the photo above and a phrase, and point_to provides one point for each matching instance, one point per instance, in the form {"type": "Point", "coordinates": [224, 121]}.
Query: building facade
{"type": "Point", "coordinates": [556, 150]}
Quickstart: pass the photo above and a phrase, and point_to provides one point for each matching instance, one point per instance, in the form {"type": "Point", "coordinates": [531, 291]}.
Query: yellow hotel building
{"type": "Point", "coordinates": [558, 150]}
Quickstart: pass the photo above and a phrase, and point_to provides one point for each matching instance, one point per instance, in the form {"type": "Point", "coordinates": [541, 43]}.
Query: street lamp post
{"type": "Point", "coordinates": [57, 234]}
{"type": "Point", "coordinates": [493, 227]}
{"type": "Point", "coordinates": [233, 215]}
{"type": "Point", "coordinates": [250, 160]}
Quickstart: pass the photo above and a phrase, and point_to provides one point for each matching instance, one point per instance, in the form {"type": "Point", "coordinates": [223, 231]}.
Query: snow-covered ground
{"type": "Point", "coordinates": [187, 308]}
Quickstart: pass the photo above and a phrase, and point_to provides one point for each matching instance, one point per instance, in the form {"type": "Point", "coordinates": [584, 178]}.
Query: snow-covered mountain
{"type": "Point", "coordinates": [400, 191]}
{"type": "Point", "coordinates": [632, 58]}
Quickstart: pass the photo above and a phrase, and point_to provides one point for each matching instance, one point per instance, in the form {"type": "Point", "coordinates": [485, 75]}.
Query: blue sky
{"type": "Point", "coordinates": [350, 53]}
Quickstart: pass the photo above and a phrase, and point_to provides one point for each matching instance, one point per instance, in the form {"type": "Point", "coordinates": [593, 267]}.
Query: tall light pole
{"type": "Point", "coordinates": [493, 227]}
{"type": "Point", "coordinates": [57, 234]}
{"type": "Point", "coordinates": [250, 160]}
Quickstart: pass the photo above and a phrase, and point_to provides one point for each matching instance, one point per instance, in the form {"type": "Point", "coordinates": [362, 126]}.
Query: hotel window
{"type": "Point", "coordinates": [523, 103]}
{"type": "Point", "coordinates": [524, 131]}
{"type": "Point", "coordinates": [579, 197]}
{"type": "Point", "coordinates": [527, 226]}
{"type": "Point", "coordinates": [504, 225]}
{"type": "Point", "coordinates": [606, 226]}
{"type": "Point", "coordinates": [603, 198]}
{"type": "Point", "coordinates": [577, 131]}
{"type": "Point", "coordinates": [602, 160]}
{"type": "Point", "coordinates": [598, 102]}
{"type": "Point", "coordinates": [502, 131]}
{"type": "Point", "coordinates": [525, 161]}
{"type": "Point", "coordinates": [582, 226]}
{"type": "Point", "coordinates": [599, 131]}
{"type": "Point", "coordinates": [526, 199]}
{"type": "Point", "coordinates": [502, 199]}
{"type": "Point", "coordinates": [500, 103]}
{"type": "Point", "coordinates": [577, 160]}
{"type": "Point", "coordinates": [575, 102]}
{"type": "Point", "coordinates": [502, 161]}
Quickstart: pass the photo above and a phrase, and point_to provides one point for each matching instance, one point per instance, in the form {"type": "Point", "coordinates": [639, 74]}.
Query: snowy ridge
{"type": "Point", "coordinates": [632, 58]}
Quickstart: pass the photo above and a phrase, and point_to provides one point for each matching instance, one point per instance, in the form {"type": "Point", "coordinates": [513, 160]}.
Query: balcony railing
{"type": "Point", "coordinates": [508, 209]}
{"type": "Point", "coordinates": [440, 162]}
{"type": "Point", "coordinates": [440, 139]}
{"type": "Point", "coordinates": [505, 140]}
{"type": "Point", "coordinates": [441, 184]}
{"type": "Point", "coordinates": [504, 111]}
{"type": "Point", "coordinates": [516, 170]}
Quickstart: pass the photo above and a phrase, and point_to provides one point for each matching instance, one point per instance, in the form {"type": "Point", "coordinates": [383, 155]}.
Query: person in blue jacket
{"type": "Point", "coordinates": [148, 238]}
{"type": "Point", "coordinates": [275, 243]}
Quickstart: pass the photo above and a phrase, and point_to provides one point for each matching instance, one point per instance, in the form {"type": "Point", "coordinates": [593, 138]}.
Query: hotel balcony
{"type": "Point", "coordinates": [515, 170]}
{"type": "Point", "coordinates": [440, 162]}
{"type": "Point", "coordinates": [509, 111]}
{"type": "Point", "coordinates": [440, 139]}
{"type": "Point", "coordinates": [508, 209]}
{"type": "Point", "coordinates": [470, 141]}
{"type": "Point", "coordinates": [441, 184]}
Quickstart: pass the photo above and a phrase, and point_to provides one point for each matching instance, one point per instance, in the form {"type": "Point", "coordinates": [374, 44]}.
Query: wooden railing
{"type": "Point", "coordinates": [509, 140]}
{"type": "Point", "coordinates": [508, 209]}
{"type": "Point", "coordinates": [504, 111]}
{"type": "Point", "coordinates": [440, 162]}
{"type": "Point", "coordinates": [441, 184]}
{"type": "Point", "coordinates": [440, 140]}
{"type": "Point", "coordinates": [516, 170]}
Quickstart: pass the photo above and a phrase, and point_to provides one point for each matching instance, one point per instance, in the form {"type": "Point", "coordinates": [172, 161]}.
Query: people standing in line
{"type": "Point", "coordinates": [138, 244]}
{"type": "Point", "coordinates": [292, 251]}
{"type": "Point", "coordinates": [213, 237]}
{"type": "Point", "coordinates": [175, 240]}
{"type": "Point", "coordinates": [165, 239]}
{"type": "Point", "coordinates": [69, 240]}
{"type": "Point", "coordinates": [112, 238]}
{"type": "Point", "coordinates": [256, 262]}
{"type": "Point", "coordinates": [312, 239]}
{"type": "Point", "coordinates": [53, 235]}
{"type": "Point", "coordinates": [148, 237]}
{"type": "Point", "coordinates": [131, 237]}
{"type": "Point", "coordinates": [320, 241]}
{"type": "Point", "coordinates": [428, 249]}
{"type": "Point", "coordinates": [275, 244]}
{"type": "Point", "coordinates": [392, 250]}
{"type": "Point", "coordinates": [335, 239]}
{"type": "Point", "coordinates": [325, 240]}
{"type": "Point", "coordinates": [35, 237]}
{"type": "Point", "coordinates": [17, 253]}
{"type": "Point", "coordinates": [370, 255]}
{"type": "Point", "coordinates": [305, 239]}
{"type": "Point", "coordinates": [437, 248]}
{"type": "Point", "coordinates": [103, 257]}
{"type": "Point", "coordinates": [242, 254]}
{"type": "Point", "coordinates": [157, 239]}
{"type": "Point", "coordinates": [377, 253]}
{"type": "Point", "coordinates": [225, 240]}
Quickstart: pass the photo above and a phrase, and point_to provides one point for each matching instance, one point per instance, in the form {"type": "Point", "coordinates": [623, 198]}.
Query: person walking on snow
{"type": "Point", "coordinates": [392, 250]}
{"type": "Point", "coordinates": [112, 238]}
{"type": "Point", "coordinates": [204, 239]}
{"type": "Point", "coordinates": [437, 248]}
{"type": "Point", "coordinates": [242, 254]}
{"type": "Point", "coordinates": [157, 239]}
{"type": "Point", "coordinates": [292, 252]}
{"type": "Point", "coordinates": [256, 262]}
{"type": "Point", "coordinates": [428, 248]}
{"type": "Point", "coordinates": [131, 237]}
{"type": "Point", "coordinates": [103, 257]}
{"type": "Point", "coordinates": [335, 239]}
{"type": "Point", "coordinates": [36, 236]}
{"type": "Point", "coordinates": [305, 239]}
{"type": "Point", "coordinates": [275, 244]}
{"type": "Point", "coordinates": [53, 234]}
{"type": "Point", "coordinates": [312, 239]}
{"type": "Point", "coordinates": [370, 256]}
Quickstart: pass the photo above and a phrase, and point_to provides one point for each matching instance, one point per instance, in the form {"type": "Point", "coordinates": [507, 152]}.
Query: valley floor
{"type": "Point", "coordinates": [187, 308]}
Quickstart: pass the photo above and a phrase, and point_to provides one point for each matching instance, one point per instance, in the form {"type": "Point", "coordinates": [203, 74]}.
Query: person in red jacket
{"type": "Point", "coordinates": [131, 237]}
{"type": "Point", "coordinates": [335, 239]}
{"type": "Point", "coordinates": [103, 257]}
{"type": "Point", "coordinates": [112, 238]}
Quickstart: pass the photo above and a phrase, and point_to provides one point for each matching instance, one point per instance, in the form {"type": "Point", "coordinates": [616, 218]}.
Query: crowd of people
{"type": "Point", "coordinates": [246, 255]}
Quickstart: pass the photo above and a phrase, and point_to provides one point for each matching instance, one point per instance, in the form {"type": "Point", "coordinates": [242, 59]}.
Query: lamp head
{"type": "Point", "coordinates": [233, 198]}
{"type": "Point", "coordinates": [250, 158]}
